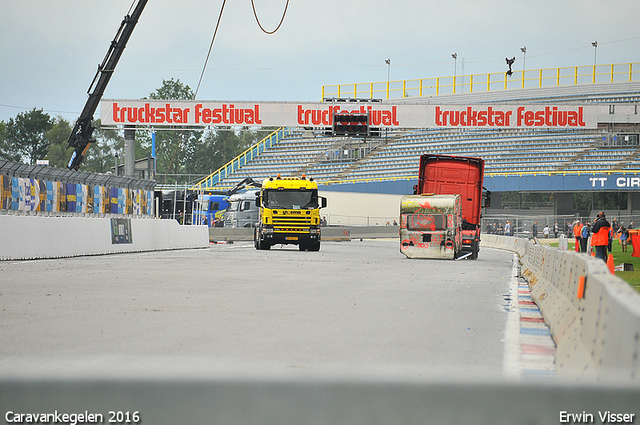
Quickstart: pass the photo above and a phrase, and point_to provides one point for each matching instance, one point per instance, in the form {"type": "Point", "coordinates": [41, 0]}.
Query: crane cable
{"type": "Point", "coordinates": [253, 6]}
{"type": "Point", "coordinates": [210, 47]}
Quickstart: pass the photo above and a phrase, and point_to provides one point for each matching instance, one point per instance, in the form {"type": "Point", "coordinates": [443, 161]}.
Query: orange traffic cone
{"type": "Point", "coordinates": [610, 264]}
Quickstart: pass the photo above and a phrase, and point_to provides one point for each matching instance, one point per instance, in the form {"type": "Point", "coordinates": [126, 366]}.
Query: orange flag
{"type": "Point", "coordinates": [635, 242]}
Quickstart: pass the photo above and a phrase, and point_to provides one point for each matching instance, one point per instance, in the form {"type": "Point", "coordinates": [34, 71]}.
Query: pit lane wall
{"type": "Point", "coordinates": [595, 324]}
{"type": "Point", "coordinates": [33, 237]}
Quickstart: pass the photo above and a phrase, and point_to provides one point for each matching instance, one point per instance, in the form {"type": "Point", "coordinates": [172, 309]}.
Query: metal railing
{"type": "Point", "coordinates": [496, 81]}
{"type": "Point", "coordinates": [41, 172]}
{"type": "Point", "coordinates": [237, 162]}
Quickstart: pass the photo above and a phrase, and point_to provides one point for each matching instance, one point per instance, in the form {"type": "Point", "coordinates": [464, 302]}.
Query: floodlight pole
{"type": "Point", "coordinates": [595, 54]}
{"type": "Point", "coordinates": [524, 62]}
{"type": "Point", "coordinates": [388, 62]}
{"type": "Point", "coordinates": [455, 70]}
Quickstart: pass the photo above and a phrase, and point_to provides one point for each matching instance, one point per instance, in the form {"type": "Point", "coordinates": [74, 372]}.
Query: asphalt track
{"type": "Point", "coordinates": [358, 307]}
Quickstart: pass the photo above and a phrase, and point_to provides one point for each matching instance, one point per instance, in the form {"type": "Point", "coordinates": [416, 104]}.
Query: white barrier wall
{"type": "Point", "coordinates": [30, 237]}
{"type": "Point", "coordinates": [595, 325]}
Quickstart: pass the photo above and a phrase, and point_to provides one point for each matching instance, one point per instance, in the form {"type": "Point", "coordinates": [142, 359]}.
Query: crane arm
{"type": "Point", "coordinates": [82, 134]}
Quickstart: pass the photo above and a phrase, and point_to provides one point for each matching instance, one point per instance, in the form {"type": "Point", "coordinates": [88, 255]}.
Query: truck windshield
{"type": "Point", "coordinates": [291, 199]}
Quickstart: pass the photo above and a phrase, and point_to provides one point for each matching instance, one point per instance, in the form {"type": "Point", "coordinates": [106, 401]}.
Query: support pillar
{"type": "Point", "coordinates": [563, 203]}
{"type": "Point", "coordinates": [496, 201]}
{"type": "Point", "coordinates": [633, 202]}
{"type": "Point", "coordinates": [129, 150]}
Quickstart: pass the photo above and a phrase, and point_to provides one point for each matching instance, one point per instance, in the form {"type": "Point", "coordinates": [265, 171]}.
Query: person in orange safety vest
{"type": "Point", "coordinates": [577, 231]}
{"type": "Point", "coordinates": [600, 237]}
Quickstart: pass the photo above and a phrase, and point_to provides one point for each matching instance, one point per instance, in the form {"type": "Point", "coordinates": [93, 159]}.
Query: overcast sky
{"type": "Point", "coordinates": [50, 49]}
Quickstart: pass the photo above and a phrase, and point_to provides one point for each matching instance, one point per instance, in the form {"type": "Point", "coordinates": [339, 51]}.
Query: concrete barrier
{"type": "Point", "coordinates": [330, 233]}
{"type": "Point", "coordinates": [31, 237]}
{"type": "Point", "coordinates": [278, 398]}
{"type": "Point", "coordinates": [594, 316]}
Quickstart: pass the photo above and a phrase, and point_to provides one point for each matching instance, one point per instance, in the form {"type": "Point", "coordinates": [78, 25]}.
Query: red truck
{"type": "Point", "coordinates": [457, 175]}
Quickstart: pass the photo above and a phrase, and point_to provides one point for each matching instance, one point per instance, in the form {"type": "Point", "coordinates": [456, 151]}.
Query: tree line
{"type": "Point", "coordinates": [35, 135]}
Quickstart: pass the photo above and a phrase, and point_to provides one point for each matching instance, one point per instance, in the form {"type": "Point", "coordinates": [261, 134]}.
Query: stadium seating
{"type": "Point", "coordinates": [328, 158]}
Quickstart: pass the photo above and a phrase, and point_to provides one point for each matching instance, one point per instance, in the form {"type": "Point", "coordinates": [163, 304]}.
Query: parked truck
{"type": "Point", "coordinates": [457, 175]}
{"type": "Point", "coordinates": [289, 213]}
{"type": "Point", "coordinates": [210, 209]}
{"type": "Point", "coordinates": [242, 210]}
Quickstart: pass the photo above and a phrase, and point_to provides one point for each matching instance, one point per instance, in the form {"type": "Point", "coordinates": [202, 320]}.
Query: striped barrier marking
{"type": "Point", "coordinates": [530, 350]}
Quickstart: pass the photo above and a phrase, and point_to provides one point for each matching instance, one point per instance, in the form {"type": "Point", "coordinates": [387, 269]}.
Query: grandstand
{"type": "Point", "coordinates": [612, 147]}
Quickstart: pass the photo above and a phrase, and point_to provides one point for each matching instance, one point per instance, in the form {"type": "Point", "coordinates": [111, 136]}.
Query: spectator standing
{"type": "Point", "coordinates": [556, 230]}
{"type": "Point", "coordinates": [600, 238]}
{"type": "Point", "coordinates": [534, 230]}
{"type": "Point", "coordinates": [584, 237]}
{"type": "Point", "coordinates": [507, 228]}
{"type": "Point", "coordinates": [577, 232]}
{"type": "Point", "coordinates": [545, 231]}
{"type": "Point", "coordinates": [624, 237]}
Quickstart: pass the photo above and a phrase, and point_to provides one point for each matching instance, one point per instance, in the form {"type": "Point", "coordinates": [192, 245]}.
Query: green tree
{"type": "Point", "coordinates": [175, 149]}
{"type": "Point", "coordinates": [26, 134]}
{"type": "Point", "coordinates": [173, 90]}
{"type": "Point", "coordinates": [101, 155]}
{"type": "Point", "coordinates": [7, 151]}
{"type": "Point", "coordinates": [59, 151]}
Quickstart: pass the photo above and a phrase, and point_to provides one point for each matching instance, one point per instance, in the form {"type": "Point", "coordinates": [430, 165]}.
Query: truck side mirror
{"type": "Point", "coordinates": [323, 201]}
{"type": "Point", "coordinates": [258, 201]}
{"type": "Point", "coordinates": [486, 199]}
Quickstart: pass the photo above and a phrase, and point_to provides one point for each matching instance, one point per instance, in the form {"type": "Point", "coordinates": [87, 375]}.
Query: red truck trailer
{"type": "Point", "coordinates": [457, 175]}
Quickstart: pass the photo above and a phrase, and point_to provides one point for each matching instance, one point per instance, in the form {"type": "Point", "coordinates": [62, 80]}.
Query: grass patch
{"type": "Point", "coordinates": [619, 257]}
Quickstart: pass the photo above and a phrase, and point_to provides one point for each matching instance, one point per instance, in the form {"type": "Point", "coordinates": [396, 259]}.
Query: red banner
{"type": "Point", "coordinates": [320, 114]}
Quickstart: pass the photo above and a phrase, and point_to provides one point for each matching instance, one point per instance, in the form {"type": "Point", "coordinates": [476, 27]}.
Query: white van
{"type": "Point", "coordinates": [242, 210]}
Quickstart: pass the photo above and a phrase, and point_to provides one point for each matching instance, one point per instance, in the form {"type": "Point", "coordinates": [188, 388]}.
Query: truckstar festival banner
{"type": "Point", "coordinates": [320, 114]}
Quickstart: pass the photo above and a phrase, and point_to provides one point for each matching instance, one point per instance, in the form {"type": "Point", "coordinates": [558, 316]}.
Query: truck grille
{"type": "Point", "coordinates": [291, 224]}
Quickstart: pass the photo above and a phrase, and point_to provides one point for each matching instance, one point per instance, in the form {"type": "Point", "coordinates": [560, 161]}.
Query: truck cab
{"type": "Point", "coordinates": [289, 213]}
{"type": "Point", "coordinates": [210, 209]}
{"type": "Point", "coordinates": [458, 175]}
{"type": "Point", "coordinates": [242, 210]}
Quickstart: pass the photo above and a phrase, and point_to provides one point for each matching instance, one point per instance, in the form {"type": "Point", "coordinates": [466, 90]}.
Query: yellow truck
{"type": "Point", "coordinates": [430, 226]}
{"type": "Point", "coordinates": [289, 213]}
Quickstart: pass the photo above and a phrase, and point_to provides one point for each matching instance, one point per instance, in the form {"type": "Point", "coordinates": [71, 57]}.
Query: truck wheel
{"type": "Point", "coordinates": [474, 250]}
{"type": "Point", "coordinates": [258, 242]}
{"type": "Point", "coordinates": [314, 246]}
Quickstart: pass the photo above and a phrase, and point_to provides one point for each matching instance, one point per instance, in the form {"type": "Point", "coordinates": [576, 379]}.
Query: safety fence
{"type": "Point", "coordinates": [594, 316]}
{"type": "Point", "coordinates": [40, 190]}
{"type": "Point", "coordinates": [490, 82]}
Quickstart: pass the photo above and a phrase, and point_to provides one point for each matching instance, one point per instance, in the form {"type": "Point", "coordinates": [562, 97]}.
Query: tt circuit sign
{"type": "Point", "coordinates": [559, 182]}
{"type": "Point", "coordinates": [321, 114]}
